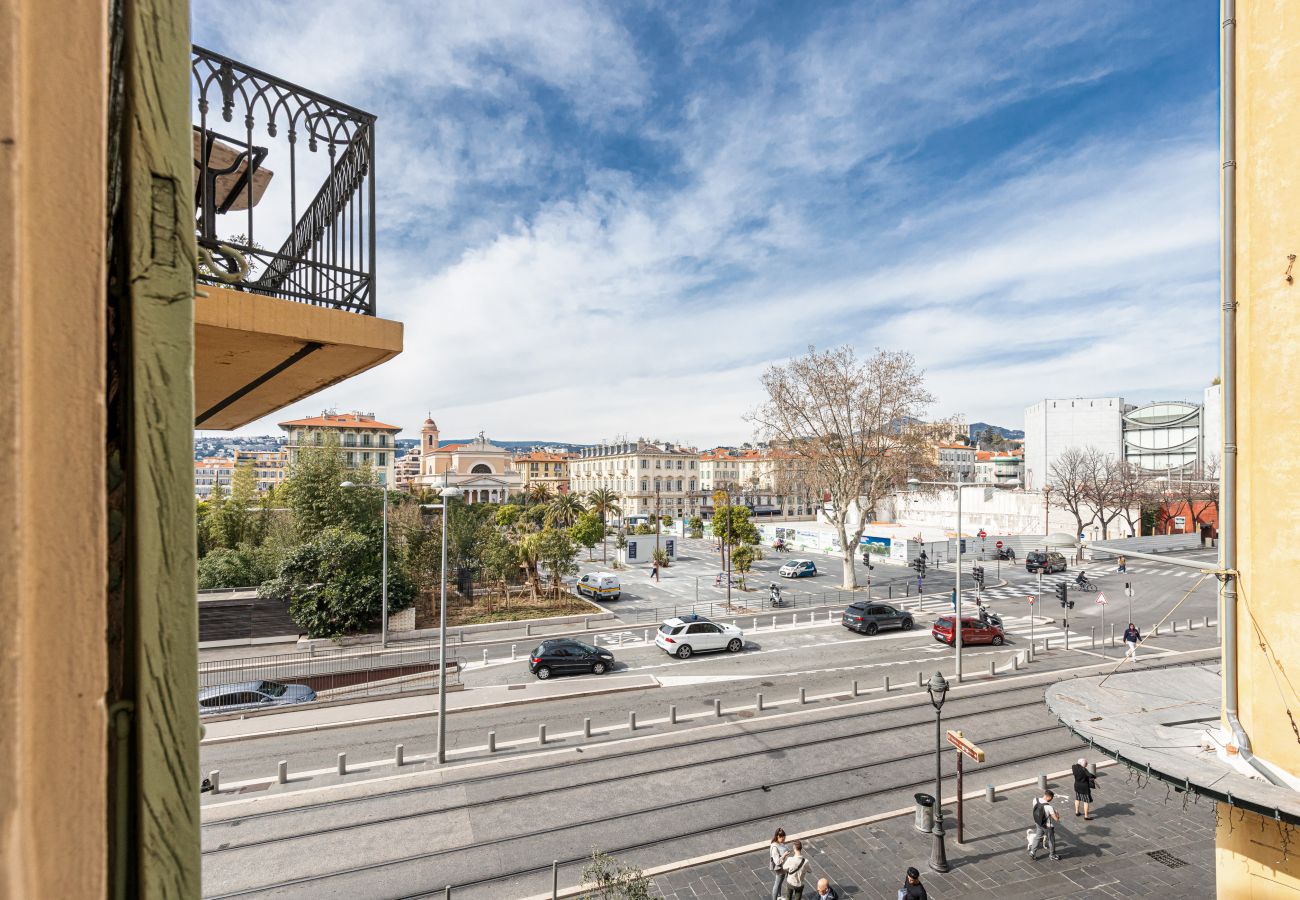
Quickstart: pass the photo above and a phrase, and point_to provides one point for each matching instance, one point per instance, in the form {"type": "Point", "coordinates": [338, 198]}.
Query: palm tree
{"type": "Point", "coordinates": [538, 493]}
{"type": "Point", "coordinates": [604, 502]}
{"type": "Point", "coordinates": [564, 510]}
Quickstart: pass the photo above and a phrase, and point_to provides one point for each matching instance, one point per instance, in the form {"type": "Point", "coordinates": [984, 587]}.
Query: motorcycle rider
{"type": "Point", "coordinates": [774, 594]}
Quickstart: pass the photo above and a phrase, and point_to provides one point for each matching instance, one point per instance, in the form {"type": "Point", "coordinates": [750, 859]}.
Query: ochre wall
{"type": "Point", "coordinates": [1251, 862]}
{"type": "Point", "coordinates": [53, 537]}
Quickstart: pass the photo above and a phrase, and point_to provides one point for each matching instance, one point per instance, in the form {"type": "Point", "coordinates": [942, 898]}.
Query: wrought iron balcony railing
{"type": "Point", "coordinates": [251, 186]}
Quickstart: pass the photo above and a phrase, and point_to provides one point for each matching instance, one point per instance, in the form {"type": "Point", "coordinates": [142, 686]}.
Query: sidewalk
{"type": "Point", "coordinates": [410, 706]}
{"type": "Point", "coordinates": [1140, 845]}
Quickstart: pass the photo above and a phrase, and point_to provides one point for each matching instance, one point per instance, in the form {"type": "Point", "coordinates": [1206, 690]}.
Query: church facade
{"type": "Point", "coordinates": [484, 471]}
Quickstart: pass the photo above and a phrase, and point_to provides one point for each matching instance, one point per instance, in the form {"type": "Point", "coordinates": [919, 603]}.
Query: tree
{"type": "Point", "coordinates": [1134, 492]}
{"type": "Point", "coordinates": [233, 521]}
{"type": "Point", "coordinates": [844, 424]}
{"type": "Point", "coordinates": [742, 560]}
{"type": "Point", "coordinates": [539, 493]}
{"type": "Point", "coordinates": [226, 568]}
{"type": "Point", "coordinates": [612, 880]}
{"type": "Point", "coordinates": [314, 493]}
{"type": "Point", "coordinates": [588, 531]}
{"type": "Point", "coordinates": [604, 503]}
{"type": "Point", "coordinates": [1103, 485]}
{"type": "Point", "coordinates": [1068, 476]}
{"type": "Point", "coordinates": [555, 550]}
{"type": "Point", "coordinates": [1200, 492]}
{"type": "Point", "coordinates": [742, 530]}
{"type": "Point", "coordinates": [508, 515]}
{"type": "Point", "coordinates": [660, 555]}
{"type": "Point", "coordinates": [333, 584]}
{"type": "Point", "coordinates": [696, 526]}
{"type": "Point", "coordinates": [564, 510]}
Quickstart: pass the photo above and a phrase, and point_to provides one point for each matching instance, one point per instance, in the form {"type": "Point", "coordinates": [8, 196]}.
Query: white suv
{"type": "Point", "coordinates": [682, 638]}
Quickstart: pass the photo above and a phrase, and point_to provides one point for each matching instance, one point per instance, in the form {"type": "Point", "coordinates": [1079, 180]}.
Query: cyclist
{"type": "Point", "coordinates": [1082, 578]}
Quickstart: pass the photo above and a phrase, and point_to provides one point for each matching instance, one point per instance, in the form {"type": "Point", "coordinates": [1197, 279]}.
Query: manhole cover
{"type": "Point", "coordinates": [1164, 857]}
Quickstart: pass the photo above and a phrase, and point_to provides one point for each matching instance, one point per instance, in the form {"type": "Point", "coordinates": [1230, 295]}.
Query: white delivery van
{"type": "Point", "coordinates": [599, 586]}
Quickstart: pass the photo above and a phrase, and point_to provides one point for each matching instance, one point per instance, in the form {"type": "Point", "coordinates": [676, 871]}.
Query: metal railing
{"type": "Point", "coordinates": [341, 673]}
{"type": "Point", "coordinates": [326, 248]}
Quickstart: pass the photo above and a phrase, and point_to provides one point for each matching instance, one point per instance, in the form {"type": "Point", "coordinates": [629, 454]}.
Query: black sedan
{"type": "Point", "coordinates": [565, 656]}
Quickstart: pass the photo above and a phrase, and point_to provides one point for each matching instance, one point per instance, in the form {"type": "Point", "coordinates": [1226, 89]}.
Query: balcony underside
{"type": "Point", "coordinates": [255, 354]}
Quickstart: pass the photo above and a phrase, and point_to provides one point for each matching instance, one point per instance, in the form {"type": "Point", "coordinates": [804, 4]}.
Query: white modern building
{"type": "Point", "coordinates": [1054, 426]}
{"type": "Point", "coordinates": [1163, 437]}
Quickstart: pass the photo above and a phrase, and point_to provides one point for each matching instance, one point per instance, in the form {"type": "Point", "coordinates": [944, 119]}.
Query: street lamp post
{"type": "Point", "coordinates": [913, 484]}
{"type": "Point", "coordinates": [448, 494]}
{"type": "Point", "coordinates": [938, 689]}
{"type": "Point", "coordinates": [383, 588]}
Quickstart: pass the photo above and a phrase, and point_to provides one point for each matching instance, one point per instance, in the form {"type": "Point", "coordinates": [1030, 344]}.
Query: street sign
{"type": "Point", "coordinates": [1032, 598]}
{"type": "Point", "coordinates": [998, 544]}
{"type": "Point", "coordinates": [1101, 598]}
{"type": "Point", "coordinates": [965, 747]}
{"type": "Point", "coordinates": [983, 534]}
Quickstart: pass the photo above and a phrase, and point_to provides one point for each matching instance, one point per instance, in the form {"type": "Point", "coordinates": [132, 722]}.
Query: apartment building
{"type": "Point", "coordinates": [545, 468]}
{"type": "Point", "coordinates": [956, 461]}
{"type": "Point", "coordinates": [362, 440]}
{"type": "Point", "coordinates": [754, 479]}
{"type": "Point", "coordinates": [210, 472]}
{"type": "Point", "coordinates": [646, 475]}
{"type": "Point", "coordinates": [407, 469]}
{"type": "Point", "coordinates": [268, 464]}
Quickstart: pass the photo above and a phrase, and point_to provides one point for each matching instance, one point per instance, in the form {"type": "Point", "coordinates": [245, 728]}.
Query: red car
{"type": "Point", "coordinates": [973, 631]}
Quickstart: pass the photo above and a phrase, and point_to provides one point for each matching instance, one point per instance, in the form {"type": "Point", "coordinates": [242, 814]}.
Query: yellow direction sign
{"type": "Point", "coordinates": [965, 746]}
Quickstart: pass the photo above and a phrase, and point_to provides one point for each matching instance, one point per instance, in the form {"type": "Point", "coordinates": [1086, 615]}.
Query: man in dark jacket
{"type": "Point", "coordinates": [1084, 782]}
{"type": "Point", "coordinates": [1132, 637]}
{"type": "Point", "coordinates": [912, 888]}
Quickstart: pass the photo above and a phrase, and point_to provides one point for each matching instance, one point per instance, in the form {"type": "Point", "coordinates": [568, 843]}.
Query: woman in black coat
{"type": "Point", "coordinates": [1084, 782]}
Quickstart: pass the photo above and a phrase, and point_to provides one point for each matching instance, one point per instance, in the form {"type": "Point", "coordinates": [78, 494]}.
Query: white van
{"type": "Point", "coordinates": [599, 586]}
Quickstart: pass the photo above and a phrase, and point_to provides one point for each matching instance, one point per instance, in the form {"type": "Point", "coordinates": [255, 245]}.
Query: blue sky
{"type": "Point", "coordinates": [606, 219]}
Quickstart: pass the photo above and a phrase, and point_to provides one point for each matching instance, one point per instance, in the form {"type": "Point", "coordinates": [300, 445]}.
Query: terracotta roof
{"type": "Point", "coordinates": [983, 455]}
{"type": "Point", "coordinates": [543, 456]}
{"type": "Point", "coordinates": [342, 420]}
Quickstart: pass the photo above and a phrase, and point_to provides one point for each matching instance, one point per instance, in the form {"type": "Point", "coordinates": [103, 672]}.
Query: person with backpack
{"type": "Point", "coordinates": [1084, 782]}
{"type": "Point", "coordinates": [796, 869]}
{"type": "Point", "coordinates": [777, 851]}
{"type": "Point", "coordinates": [912, 888]}
{"type": "Point", "coordinates": [1044, 830]}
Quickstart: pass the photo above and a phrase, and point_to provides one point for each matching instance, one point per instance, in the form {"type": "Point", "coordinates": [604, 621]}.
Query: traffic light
{"type": "Point", "coordinates": [978, 572]}
{"type": "Point", "coordinates": [1062, 594]}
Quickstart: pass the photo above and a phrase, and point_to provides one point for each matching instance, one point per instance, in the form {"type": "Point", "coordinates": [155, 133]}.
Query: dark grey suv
{"type": "Point", "coordinates": [870, 617]}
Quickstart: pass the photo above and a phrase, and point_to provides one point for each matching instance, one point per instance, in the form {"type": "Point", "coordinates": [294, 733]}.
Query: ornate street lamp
{"type": "Point", "coordinates": [937, 688]}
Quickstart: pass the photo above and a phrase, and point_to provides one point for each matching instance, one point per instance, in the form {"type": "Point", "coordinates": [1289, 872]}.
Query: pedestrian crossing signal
{"type": "Point", "coordinates": [1062, 595]}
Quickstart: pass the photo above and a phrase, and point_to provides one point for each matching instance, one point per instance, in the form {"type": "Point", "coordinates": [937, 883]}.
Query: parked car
{"type": "Point", "coordinates": [1046, 561]}
{"type": "Point", "coordinates": [566, 656]}
{"type": "Point", "coordinates": [682, 639]}
{"type": "Point", "coordinates": [973, 631]}
{"type": "Point", "coordinates": [869, 617]}
{"type": "Point", "coordinates": [599, 586]}
{"type": "Point", "coordinates": [245, 695]}
{"type": "Point", "coordinates": [798, 568]}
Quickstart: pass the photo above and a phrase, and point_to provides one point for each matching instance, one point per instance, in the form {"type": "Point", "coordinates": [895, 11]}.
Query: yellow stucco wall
{"type": "Point", "coordinates": [1252, 862]}
{"type": "Point", "coordinates": [1268, 354]}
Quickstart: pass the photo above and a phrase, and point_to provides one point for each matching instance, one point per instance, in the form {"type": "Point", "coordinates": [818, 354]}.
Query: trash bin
{"type": "Point", "coordinates": [924, 813]}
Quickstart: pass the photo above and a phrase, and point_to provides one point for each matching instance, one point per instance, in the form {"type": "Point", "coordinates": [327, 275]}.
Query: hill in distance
{"type": "Point", "coordinates": [978, 428]}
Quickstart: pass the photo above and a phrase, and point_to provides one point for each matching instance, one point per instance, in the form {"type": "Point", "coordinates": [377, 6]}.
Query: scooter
{"type": "Point", "coordinates": [989, 616]}
{"type": "Point", "coordinates": [1004, 554]}
{"type": "Point", "coordinates": [773, 595]}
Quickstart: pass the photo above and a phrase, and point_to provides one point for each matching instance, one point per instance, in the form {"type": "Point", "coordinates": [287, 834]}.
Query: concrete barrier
{"type": "Point", "coordinates": [990, 793]}
{"type": "Point", "coordinates": [1042, 783]}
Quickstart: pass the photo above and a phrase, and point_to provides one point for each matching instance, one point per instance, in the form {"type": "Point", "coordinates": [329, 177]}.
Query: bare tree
{"type": "Point", "coordinates": [1104, 488]}
{"type": "Point", "coordinates": [1200, 492]}
{"type": "Point", "coordinates": [1135, 490]}
{"type": "Point", "coordinates": [1068, 475]}
{"type": "Point", "coordinates": [843, 421]}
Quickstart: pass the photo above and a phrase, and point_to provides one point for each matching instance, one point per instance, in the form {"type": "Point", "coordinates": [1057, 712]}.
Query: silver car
{"type": "Point", "coordinates": [245, 695]}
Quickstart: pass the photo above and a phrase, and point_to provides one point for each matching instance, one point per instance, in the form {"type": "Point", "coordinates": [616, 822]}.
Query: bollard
{"type": "Point", "coordinates": [398, 752]}
{"type": "Point", "coordinates": [672, 715]}
{"type": "Point", "coordinates": [1173, 626]}
{"type": "Point", "coordinates": [774, 623]}
{"type": "Point", "coordinates": [990, 793]}
{"type": "Point", "coordinates": [492, 742]}
{"type": "Point", "coordinates": [886, 684]}
{"type": "Point", "coordinates": [512, 652]}
{"type": "Point", "coordinates": [717, 708]}
{"type": "Point", "coordinates": [631, 720]}
{"type": "Point", "coordinates": [803, 696]}
{"type": "Point", "coordinates": [555, 880]}
{"type": "Point", "coordinates": [1092, 768]}
{"type": "Point", "coordinates": [1042, 783]}
{"type": "Point", "coordinates": [541, 734]}
{"type": "Point", "coordinates": [1067, 639]}
{"type": "Point", "coordinates": [528, 630]}
{"type": "Point", "coordinates": [343, 764]}
{"type": "Point", "coordinates": [1112, 634]}
{"type": "Point", "coordinates": [753, 626]}
{"type": "Point", "coordinates": [620, 639]}
{"type": "Point", "coordinates": [215, 777]}
{"type": "Point", "coordinates": [1015, 663]}
{"type": "Point", "coordinates": [485, 656]}
{"type": "Point", "coordinates": [283, 774]}
{"type": "Point", "coordinates": [586, 623]}
{"type": "Point", "coordinates": [794, 618]}
{"type": "Point", "coordinates": [855, 687]}
{"type": "Point", "coordinates": [645, 636]}
{"type": "Point", "coordinates": [1092, 635]}
{"type": "Point", "coordinates": [920, 679]}
{"type": "Point", "coordinates": [1189, 623]}
{"type": "Point", "coordinates": [586, 728]}
{"type": "Point", "coordinates": [446, 893]}
{"type": "Point", "coordinates": [1047, 644]}
{"type": "Point", "coordinates": [1205, 621]}
{"type": "Point", "coordinates": [759, 704]}
{"type": "Point", "coordinates": [993, 667]}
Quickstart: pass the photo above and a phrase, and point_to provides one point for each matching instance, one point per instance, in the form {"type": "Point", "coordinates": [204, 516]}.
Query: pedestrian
{"type": "Point", "coordinates": [654, 570]}
{"type": "Point", "coordinates": [777, 852]}
{"type": "Point", "coordinates": [796, 869]}
{"type": "Point", "coordinates": [1132, 637]}
{"type": "Point", "coordinates": [912, 888]}
{"type": "Point", "coordinates": [1123, 565]}
{"type": "Point", "coordinates": [1044, 830]}
{"type": "Point", "coordinates": [825, 891]}
{"type": "Point", "coordinates": [1084, 782]}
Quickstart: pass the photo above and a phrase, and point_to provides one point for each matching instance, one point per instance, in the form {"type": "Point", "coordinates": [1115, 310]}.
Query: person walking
{"type": "Point", "coordinates": [1132, 637]}
{"type": "Point", "coordinates": [777, 852]}
{"type": "Point", "coordinates": [1123, 565]}
{"type": "Point", "coordinates": [654, 570]}
{"type": "Point", "coordinates": [1044, 830]}
{"type": "Point", "coordinates": [912, 888]}
{"type": "Point", "coordinates": [825, 891]}
{"type": "Point", "coordinates": [1084, 782]}
{"type": "Point", "coordinates": [796, 870]}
